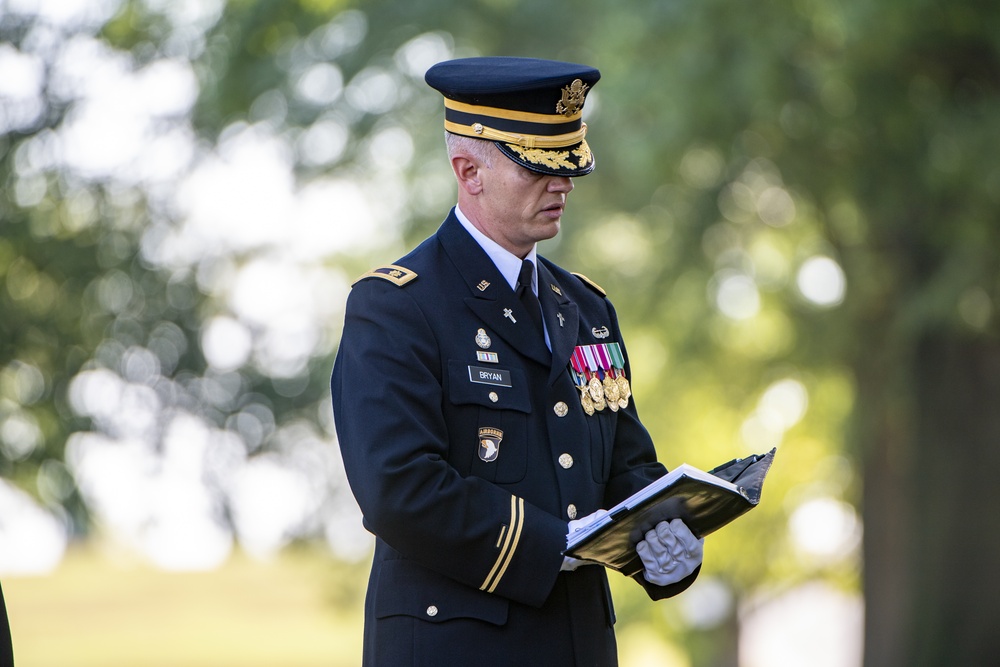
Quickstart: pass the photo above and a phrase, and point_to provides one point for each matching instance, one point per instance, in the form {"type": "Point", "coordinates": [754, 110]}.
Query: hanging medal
{"type": "Point", "coordinates": [618, 362]}
{"type": "Point", "coordinates": [611, 390]}
{"type": "Point", "coordinates": [580, 379]}
{"type": "Point", "coordinates": [585, 400]}
{"type": "Point", "coordinates": [594, 385]}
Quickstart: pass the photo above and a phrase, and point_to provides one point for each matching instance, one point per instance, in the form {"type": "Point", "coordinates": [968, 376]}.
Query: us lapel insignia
{"type": "Point", "coordinates": [555, 288]}
{"type": "Point", "coordinates": [489, 443]}
{"type": "Point", "coordinates": [482, 340]}
{"type": "Point", "coordinates": [483, 285]}
{"type": "Point", "coordinates": [600, 333]}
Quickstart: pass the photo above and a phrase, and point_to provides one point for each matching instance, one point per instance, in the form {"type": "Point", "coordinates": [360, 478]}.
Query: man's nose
{"type": "Point", "coordinates": [561, 184]}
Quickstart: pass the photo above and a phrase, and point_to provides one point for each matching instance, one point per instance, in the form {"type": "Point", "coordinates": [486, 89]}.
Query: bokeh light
{"type": "Point", "coordinates": [822, 281]}
{"type": "Point", "coordinates": [813, 624]}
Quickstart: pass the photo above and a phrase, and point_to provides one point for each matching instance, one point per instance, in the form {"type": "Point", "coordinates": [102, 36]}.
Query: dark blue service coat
{"type": "Point", "coordinates": [470, 532]}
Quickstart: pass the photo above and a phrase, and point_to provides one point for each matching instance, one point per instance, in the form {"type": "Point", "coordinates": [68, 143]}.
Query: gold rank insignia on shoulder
{"type": "Point", "coordinates": [397, 275]}
{"type": "Point", "coordinates": [591, 284]}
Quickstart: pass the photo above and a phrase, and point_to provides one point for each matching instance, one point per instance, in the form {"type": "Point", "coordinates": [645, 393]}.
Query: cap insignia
{"type": "Point", "coordinates": [572, 98]}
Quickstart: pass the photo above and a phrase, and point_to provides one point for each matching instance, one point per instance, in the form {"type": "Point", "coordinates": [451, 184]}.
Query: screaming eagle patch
{"type": "Point", "coordinates": [489, 443]}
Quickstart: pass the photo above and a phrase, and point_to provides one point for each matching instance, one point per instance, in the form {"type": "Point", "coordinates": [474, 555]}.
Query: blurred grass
{"type": "Point", "coordinates": [99, 609]}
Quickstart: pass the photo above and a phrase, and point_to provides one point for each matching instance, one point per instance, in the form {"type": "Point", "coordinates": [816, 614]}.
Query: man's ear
{"type": "Point", "coordinates": [467, 173]}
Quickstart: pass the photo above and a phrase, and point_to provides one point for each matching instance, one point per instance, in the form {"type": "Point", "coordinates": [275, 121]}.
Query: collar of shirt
{"type": "Point", "coordinates": [506, 262]}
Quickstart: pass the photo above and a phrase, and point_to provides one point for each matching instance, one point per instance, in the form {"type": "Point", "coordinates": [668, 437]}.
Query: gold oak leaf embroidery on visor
{"type": "Point", "coordinates": [584, 155]}
{"type": "Point", "coordinates": [551, 159]}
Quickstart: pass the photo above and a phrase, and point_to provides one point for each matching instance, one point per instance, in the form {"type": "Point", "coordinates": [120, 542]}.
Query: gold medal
{"type": "Point", "coordinates": [611, 389]}
{"type": "Point", "coordinates": [600, 404]}
{"type": "Point", "coordinates": [588, 405]}
{"type": "Point", "coordinates": [626, 390]}
{"type": "Point", "coordinates": [596, 390]}
{"type": "Point", "coordinates": [611, 393]}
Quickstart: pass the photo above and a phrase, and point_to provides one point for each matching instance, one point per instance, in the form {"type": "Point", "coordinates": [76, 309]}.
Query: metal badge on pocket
{"type": "Point", "coordinates": [489, 443]}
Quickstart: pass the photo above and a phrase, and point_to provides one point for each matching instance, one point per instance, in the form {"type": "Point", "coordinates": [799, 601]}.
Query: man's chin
{"type": "Point", "coordinates": [549, 229]}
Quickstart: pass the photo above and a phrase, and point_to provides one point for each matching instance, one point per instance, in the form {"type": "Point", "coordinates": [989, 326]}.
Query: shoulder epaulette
{"type": "Point", "coordinates": [591, 284]}
{"type": "Point", "coordinates": [397, 275]}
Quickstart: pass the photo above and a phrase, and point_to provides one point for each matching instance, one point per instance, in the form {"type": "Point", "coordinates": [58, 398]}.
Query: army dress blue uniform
{"type": "Point", "coordinates": [463, 432]}
{"type": "Point", "coordinates": [466, 567]}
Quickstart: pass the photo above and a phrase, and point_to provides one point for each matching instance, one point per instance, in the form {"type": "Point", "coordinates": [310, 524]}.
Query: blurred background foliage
{"type": "Point", "coordinates": [794, 211]}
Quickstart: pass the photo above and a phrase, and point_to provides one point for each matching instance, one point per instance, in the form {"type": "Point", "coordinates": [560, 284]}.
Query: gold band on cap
{"type": "Point", "coordinates": [508, 114]}
{"type": "Point", "coordinates": [480, 131]}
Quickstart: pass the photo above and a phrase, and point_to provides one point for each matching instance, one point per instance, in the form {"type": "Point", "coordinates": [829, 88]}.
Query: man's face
{"type": "Point", "coordinates": [520, 207]}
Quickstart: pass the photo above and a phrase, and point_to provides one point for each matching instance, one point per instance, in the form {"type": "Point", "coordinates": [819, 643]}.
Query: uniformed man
{"type": "Point", "coordinates": [482, 401]}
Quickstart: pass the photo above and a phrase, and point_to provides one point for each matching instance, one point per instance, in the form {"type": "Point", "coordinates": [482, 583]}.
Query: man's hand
{"type": "Point", "coordinates": [669, 553]}
{"type": "Point", "coordinates": [570, 564]}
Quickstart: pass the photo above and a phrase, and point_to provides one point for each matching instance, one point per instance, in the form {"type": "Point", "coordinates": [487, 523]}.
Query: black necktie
{"type": "Point", "coordinates": [527, 296]}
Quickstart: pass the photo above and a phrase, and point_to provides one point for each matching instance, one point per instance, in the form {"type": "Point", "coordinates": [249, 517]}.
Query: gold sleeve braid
{"type": "Point", "coordinates": [509, 546]}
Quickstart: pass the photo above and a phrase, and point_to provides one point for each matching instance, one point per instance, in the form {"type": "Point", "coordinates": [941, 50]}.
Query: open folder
{"type": "Point", "coordinates": [706, 501]}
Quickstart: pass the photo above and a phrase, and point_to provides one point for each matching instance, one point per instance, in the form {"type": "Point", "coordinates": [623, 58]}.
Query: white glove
{"type": "Point", "coordinates": [669, 553]}
{"type": "Point", "coordinates": [570, 564]}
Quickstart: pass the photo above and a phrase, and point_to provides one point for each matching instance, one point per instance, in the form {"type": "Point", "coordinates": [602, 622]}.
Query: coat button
{"type": "Point", "coordinates": [571, 511]}
{"type": "Point", "coordinates": [566, 461]}
{"type": "Point", "coordinates": [561, 409]}
{"type": "Point", "coordinates": [432, 611]}
{"type": "Point", "coordinates": [494, 397]}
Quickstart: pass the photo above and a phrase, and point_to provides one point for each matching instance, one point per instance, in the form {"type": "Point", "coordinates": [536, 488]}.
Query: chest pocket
{"type": "Point", "coordinates": [489, 421]}
{"type": "Point", "coordinates": [602, 438]}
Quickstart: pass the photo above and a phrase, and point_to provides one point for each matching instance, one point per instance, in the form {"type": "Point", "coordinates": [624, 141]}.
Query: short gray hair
{"type": "Point", "coordinates": [481, 149]}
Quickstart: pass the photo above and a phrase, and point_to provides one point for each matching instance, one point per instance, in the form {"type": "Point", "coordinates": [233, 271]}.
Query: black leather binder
{"type": "Point", "coordinates": [706, 501]}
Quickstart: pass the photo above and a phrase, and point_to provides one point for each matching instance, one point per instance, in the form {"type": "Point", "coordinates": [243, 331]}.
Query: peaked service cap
{"type": "Point", "coordinates": [531, 109]}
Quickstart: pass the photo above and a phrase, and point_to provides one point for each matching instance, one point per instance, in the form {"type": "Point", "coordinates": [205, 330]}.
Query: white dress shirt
{"type": "Point", "coordinates": [506, 262]}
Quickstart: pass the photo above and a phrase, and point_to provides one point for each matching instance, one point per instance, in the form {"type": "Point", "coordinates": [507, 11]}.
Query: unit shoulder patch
{"type": "Point", "coordinates": [591, 284]}
{"type": "Point", "coordinates": [397, 275]}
